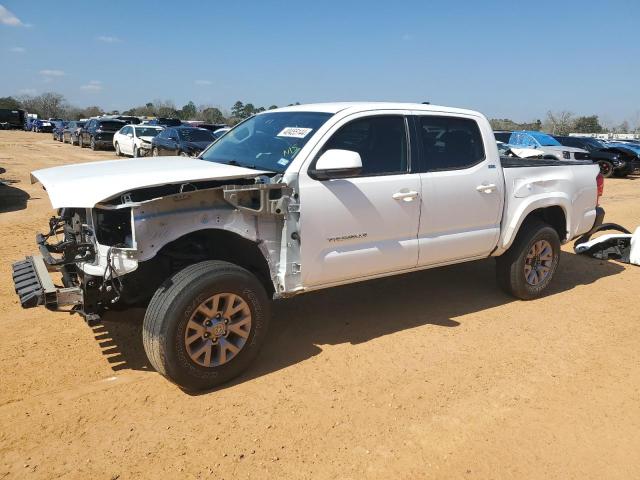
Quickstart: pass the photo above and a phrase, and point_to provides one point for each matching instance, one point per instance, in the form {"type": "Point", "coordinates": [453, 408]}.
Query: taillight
{"type": "Point", "coordinates": [600, 183]}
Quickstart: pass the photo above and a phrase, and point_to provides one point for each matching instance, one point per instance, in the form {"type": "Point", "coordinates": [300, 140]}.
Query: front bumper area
{"type": "Point", "coordinates": [34, 286]}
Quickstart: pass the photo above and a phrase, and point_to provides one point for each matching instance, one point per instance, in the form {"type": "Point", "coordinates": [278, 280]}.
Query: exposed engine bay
{"type": "Point", "coordinates": [118, 253]}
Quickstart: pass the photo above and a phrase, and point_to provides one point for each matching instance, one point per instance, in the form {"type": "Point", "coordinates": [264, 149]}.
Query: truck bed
{"type": "Point", "coordinates": [514, 162]}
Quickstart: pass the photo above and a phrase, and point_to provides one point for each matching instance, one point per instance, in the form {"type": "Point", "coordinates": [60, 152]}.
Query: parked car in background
{"type": "Point", "coordinates": [98, 133]}
{"type": "Point", "coordinates": [502, 136]}
{"type": "Point", "coordinates": [629, 152]}
{"type": "Point", "coordinates": [221, 131]}
{"type": "Point", "coordinates": [42, 126]}
{"type": "Point", "coordinates": [11, 118]}
{"type": "Point", "coordinates": [612, 160]}
{"type": "Point", "coordinates": [209, 126]}
{"type": "Point", "coordinates": [547, 144]}
{"type": "Point", "coordinates": [71, 132]}
{"type": "Point", "coordinates": [130, 119]}
{"type": "Point", "coordinates": [58, 128]}
{"type": "Point", "coordinates": [506, 150]}
{"type": "Point", "coordinates": [135, 140]}
{"type": "Point", "coordinates": [183, 141]}
{"type": "Point", "coordinates": [165, 122]}
{"type": "Point", "coordinates": [29, 123]}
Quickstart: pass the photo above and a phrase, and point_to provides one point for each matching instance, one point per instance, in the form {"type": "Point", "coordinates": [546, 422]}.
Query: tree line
{"type": "Point", "coordinates": [55, 105]}
{"type": "Point", "coordinates": [564, 122]}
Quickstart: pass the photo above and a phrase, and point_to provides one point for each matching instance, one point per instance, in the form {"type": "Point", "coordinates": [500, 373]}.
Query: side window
{"type": "Point", "coordinates": [449, 143]}
{"type": "Point", "coordinates": [530, 141]}
{"type": "Point", "coordinates": [381, 142]}
{"type": "Point", "coordinates": [125, 131]}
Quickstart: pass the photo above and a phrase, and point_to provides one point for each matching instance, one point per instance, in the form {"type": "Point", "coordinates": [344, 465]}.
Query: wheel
{"type": "Point", "coordinates": [93, 145]}
{"type": "Point", "coordinates": [80, 142]}
{"type": "Point", "coordinates": [606, 168]}
{"type": "Point", "coordinates": [118, 153]}
{"type": "Point", "coordinates": [206, 324]}
{"type": "Point", "coordinates": [526, 269]}
{"type": "Point", "coordinates": [135, 152]}
{"type": "Point", "coordinates": [184, 154]}
{"type": "Point", "coordinates": [154, 152]}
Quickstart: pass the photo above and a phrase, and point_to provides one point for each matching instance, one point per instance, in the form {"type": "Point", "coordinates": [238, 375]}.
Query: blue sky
{"type": "Point", "coordinates": [504, 58]}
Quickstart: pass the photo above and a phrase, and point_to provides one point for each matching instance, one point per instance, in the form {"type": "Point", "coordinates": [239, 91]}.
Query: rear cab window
{"type": "Point", "coordinates": [448, 143]}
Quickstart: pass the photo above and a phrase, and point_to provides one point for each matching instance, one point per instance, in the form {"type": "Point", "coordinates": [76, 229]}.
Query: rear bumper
{"type": "Point", "coordinates": [34, 286]}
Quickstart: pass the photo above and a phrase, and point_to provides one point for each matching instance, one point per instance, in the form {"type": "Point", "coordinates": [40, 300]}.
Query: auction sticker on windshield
{"type": "Point", "coordinates": [295, 132]}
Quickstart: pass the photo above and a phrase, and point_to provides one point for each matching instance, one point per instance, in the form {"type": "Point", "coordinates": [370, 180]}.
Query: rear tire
{"type": "Point", "coordinates": [154, 152]}
{"type": "Point", "coordinates": [80, 142]}
{"type": "Point", "coordinates": [527, 268]}
{"type": "Point", "coordinates": [187, 330]}
{"type": "Point", "coordinates": [93, 145]}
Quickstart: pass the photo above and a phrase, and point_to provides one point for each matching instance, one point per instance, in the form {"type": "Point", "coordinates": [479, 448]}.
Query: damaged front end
{"type": "Point", "coordinates": [116, 254]}
{"type": "Point", "coordinates": [69, 244]}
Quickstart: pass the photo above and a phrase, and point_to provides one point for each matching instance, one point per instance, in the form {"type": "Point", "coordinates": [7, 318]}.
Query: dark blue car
{"type": "Point", "coordinates": [183, 141]}
{"type": "Point", "coordinates": [58, 128]}
{"type": "Point", "coordinates": [41, 126]}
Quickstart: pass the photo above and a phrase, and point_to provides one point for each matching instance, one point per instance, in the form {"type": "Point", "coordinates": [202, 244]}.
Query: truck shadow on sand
{"type": "Point", "coordinates": [359, 312]}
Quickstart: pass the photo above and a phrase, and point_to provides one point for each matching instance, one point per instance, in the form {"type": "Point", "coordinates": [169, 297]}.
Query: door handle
{"type": "Point", "coordinates": [405, 196]}
{"type": "Point", "coordinates": [489, 188]}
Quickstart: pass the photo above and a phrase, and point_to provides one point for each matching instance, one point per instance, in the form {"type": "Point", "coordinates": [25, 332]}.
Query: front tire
{"type": "Point", "coordinates": [93, 145]}
{"type": "Point", "coordinates": [118, 152]}
{"type": "Point", "coordinates": [80, 142]}
{"type": "Point", "coordinates": [206, 324]}
{"type": "Point", "coordinates": [527, 268]}
{"type": "Point", "coordinates": [154, 152]}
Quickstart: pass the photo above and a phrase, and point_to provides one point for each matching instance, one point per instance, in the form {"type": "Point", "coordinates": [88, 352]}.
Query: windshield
{"type": "Point", "coordinates": [147, 131]}
{"type": "Point", "coordinates": [196, 135]}
{"type": "Point", "coordinates": [545, 140]}
{"type": "Point", "coordinates": [268, 141]}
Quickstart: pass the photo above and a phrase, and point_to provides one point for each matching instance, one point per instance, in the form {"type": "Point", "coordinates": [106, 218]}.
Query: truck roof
{"type": "Point", "coordinates": [366, 106]}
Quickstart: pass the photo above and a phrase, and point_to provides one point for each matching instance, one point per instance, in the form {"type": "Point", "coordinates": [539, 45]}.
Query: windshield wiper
{"type": "Point", "coordinates": [235, 163]}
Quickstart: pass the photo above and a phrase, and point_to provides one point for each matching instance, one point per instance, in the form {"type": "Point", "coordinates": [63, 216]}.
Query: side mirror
{"type": "Point", "coordinates": [337, 164]}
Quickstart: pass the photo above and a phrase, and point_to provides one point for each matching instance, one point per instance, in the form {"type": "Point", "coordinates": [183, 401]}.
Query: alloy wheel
{"type": "Point", "coordinates": [538, 262]}
{"type": "Point", "coordinates": [218, 330]}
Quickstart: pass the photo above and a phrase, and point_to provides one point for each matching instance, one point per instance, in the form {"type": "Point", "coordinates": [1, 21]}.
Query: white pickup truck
{"type": "Point", "coordinates": [290, 201]}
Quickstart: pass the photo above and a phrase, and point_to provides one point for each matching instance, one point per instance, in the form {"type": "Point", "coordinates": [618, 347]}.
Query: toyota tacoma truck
{"type": "Point", "coordinates": [291, 201]}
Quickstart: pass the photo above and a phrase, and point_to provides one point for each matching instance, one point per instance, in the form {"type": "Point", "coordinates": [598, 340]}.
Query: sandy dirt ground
{"type": "Point", "coordinates": [430, 375]}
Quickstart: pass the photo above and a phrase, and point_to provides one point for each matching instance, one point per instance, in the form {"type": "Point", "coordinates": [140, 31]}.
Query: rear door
{"type": "Point", "coordinates": [365, 225]}
{"type": "Point", "coordinates": [462, 189]}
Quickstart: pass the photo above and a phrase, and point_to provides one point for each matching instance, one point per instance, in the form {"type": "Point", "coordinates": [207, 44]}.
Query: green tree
{"type": "Point", "coordinates": [588, 124]}
{"type": "Point", "coordinates": [248, 110]}
{"type": "Point", "coordinates": [273, 107]}
{"type": "Point", "coordinates": [188, 111]}
{"type": "Point", "coordinates": [238, 109]}
{"type": "Point", "coordinates": [212, 115]}
{"type": "Point", "coordinates": [9, 102]}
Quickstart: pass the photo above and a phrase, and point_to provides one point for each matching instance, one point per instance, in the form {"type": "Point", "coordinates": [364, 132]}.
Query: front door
{"type": "Point", "coordinates": [462, 190]}
{"type": "Point", "coordinates": [366, 225]}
